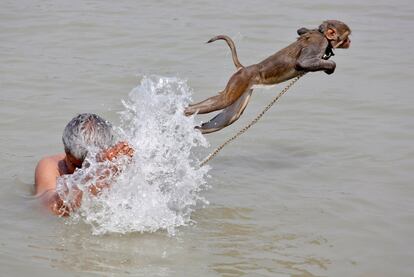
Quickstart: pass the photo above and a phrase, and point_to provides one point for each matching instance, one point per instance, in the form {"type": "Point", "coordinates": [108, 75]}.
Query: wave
{"type": "Point", "coordinates": [160, 187]}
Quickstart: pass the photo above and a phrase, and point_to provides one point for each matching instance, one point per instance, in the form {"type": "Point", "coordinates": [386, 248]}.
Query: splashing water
{"type": "Point", "coordinates": [160, 187]}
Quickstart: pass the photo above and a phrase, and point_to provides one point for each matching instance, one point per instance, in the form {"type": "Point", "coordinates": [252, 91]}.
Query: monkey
{"type": "Point", "coordinates": [309, 53]}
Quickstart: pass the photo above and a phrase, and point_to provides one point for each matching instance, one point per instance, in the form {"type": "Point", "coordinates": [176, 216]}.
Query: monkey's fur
{"type": "Point", "coordinates": [310, 52]}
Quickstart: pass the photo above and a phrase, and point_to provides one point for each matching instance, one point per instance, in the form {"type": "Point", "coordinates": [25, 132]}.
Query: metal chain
{"type": "Point", "coordinates": [254, 121]}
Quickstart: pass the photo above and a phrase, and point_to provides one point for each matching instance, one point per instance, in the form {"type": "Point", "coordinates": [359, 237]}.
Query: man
{"type": "Point", "coordinates": [82, 133]}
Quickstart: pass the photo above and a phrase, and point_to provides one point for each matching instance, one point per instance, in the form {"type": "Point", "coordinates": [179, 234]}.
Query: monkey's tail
{"type": "Point", "coordinates": [230, 43]}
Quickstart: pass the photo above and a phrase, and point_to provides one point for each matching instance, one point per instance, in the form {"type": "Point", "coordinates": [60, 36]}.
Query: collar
{"type": "Point", "coordinates": [328, 53]}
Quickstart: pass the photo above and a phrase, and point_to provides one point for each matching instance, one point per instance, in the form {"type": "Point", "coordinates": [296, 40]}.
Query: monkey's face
{"type": "Point", "coordinates": [345, 42]}
{"type": "Point", "coordinates": [338, 39]}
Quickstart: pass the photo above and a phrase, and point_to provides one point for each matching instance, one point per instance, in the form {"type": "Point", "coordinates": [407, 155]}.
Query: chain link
{"type": "Point", "coordinates": [254, 121]}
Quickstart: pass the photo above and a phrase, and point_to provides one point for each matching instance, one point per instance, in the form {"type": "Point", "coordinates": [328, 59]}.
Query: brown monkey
{"type": "Point", "coordinates": [310, 52]}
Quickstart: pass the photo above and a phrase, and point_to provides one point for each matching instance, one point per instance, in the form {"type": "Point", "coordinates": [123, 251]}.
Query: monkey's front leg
{"type": "Point", "coordinates": [316, 64]}
{"type": "Point", "coordinates": [309, 61]}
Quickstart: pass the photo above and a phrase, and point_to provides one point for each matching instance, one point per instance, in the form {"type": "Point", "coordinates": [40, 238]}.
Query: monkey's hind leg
{"type": "Point", "coordinates": [209, 105]}
{"type": "Point", "coordinates": [238, 84]}
{"type": "Point", "coordinates": [228, 115]}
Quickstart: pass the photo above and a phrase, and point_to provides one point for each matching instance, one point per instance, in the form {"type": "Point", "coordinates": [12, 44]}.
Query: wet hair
{"type": "Point", "coordinates": [85, 131]}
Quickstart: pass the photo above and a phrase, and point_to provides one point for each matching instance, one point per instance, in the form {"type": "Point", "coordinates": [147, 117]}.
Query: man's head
{"type": "Point", "coordinates": [83, 132]}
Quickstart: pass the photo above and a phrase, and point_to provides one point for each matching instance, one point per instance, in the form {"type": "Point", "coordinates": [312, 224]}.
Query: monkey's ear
{"type": "Point", "coordinates": [302, 31]}
{"type": "Point", "coordinates": [331, 34]}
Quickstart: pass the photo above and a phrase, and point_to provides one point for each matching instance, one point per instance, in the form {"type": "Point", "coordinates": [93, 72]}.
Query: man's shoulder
{"type": "Point", "coordinates": [46, 172]}
{"type": "Point", "coordinates": [49, 161]}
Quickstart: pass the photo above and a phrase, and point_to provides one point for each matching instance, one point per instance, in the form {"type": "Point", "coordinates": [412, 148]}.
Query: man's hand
{"type": "Point", "coordinates": [102, 174]}
{"type": "Point", "coordinates": [120, 149]}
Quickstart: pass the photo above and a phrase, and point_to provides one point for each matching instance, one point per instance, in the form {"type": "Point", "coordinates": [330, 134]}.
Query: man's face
{"type": "Point", "coordinates": [72, 163]}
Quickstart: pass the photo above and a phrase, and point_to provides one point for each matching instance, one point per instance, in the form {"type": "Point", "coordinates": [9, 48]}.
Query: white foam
{"type": "Point", "coordinates": [161, 186]}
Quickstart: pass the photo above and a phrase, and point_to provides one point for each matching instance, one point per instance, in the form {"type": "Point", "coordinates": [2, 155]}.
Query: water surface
{"type": "Point", "coordinates": [321, 186]}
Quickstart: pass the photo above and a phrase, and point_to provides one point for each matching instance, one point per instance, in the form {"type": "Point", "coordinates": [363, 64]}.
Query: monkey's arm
{"type": "Point", "coordinates": [310, 59]}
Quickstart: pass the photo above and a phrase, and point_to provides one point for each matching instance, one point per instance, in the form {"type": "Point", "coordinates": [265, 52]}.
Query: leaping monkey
{"type": "Point", "coordinates": [310, 52]}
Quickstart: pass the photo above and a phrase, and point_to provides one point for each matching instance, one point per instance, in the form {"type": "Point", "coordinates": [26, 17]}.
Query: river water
{"type": "Point", "coordinates": [321, 186]}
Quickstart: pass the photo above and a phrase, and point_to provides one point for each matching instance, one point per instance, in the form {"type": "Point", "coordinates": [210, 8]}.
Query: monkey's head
{"type": "Point", "coordinates": [337, 33]}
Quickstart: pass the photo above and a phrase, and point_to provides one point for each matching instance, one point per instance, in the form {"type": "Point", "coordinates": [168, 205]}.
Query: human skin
{"type": "Point", "coordinates": [50, 168]}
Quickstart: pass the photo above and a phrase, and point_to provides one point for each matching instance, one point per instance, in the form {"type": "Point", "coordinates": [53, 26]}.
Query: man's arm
{"type": "Point", "coordinates": [112, 153]}
{"type": "Point", "coordinates": [120, 149]}
{"type": "Point", "coordinates": [47, 172]}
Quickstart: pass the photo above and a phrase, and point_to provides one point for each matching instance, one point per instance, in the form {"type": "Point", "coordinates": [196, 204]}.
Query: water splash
{"type": "Point", "coordinates": [160, 187]}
